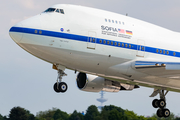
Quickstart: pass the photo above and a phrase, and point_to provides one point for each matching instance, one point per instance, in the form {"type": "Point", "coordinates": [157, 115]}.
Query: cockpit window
{"type": "Point", "coordinates": [50, 10]}
{"type": "Point", "coordinates": [62, 11]}
{"type": "Point", "coordinates": [55, 10]}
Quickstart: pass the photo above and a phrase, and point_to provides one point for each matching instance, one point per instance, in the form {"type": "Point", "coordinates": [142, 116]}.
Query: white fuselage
{"type": "Point", "coordinates": [78, 40]}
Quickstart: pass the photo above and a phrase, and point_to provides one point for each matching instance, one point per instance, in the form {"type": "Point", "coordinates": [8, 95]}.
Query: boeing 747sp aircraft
{"type": "Point", "coordinates": [111, 52]}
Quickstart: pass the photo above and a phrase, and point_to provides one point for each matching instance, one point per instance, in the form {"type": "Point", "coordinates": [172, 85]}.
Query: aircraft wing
{"type": "Point", "coordinates": [156, 68]}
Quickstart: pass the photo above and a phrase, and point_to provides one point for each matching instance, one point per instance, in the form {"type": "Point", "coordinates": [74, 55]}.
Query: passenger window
{"type": "Point", "coordinates": [104, 42]}
{"type": "Point", "coordinates": [115, 43]}
{"type": "Point", "coordinates": [119, 22]}
{"type": "Point", "coordinates": [126, 45]}
{"type": "Point", "coordinates": [164, 52]}
{"type": "Point", "coordinates": [109, 20]}
{"type": "Point", "coordinates": [112, 21]}
{"type": "Point", "coordinates": [40, 32]}
{"type": "Point", "coordinates": [160, 51]}
{"type": "Point", "coordinates": [174, 53]}
{"type": "Point", "coordinates": [116, 22]}
{"type": "Point", "coordinates": [167, 52]}
{"type": "Point", "coordinates": [142, 48]}
{"type": "Point", "coordinates": [106, 20]}
{"type": "Point", "coordinates": [107, 42]}
{"type": "Point", "coordinates": [112, 43]}
{"type": "Point", "coordinates": [122, 44]}
{"type": "Point", "coordinates": [157, 50]}
{"type": "Point", "coordinates": [119, 44]}
{"type": "Point", "coordinates": [129, 46]}
{"type": "Point", "coordinates": [36, 31]}
{"type": "Point", "coordinates": [100, 41]}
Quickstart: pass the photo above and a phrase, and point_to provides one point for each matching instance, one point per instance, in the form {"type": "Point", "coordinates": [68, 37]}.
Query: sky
{"type": "Point", "coordinates": [27, 81]}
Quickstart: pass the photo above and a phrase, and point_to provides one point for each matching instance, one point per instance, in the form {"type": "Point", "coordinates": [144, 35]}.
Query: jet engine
{"type": "Point", "coordinates": [92, 83]}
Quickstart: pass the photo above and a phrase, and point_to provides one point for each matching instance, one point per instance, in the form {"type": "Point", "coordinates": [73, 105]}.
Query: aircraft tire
{"type": "Point", "coordinates": [166, 113]}
{"type": "Point", "coordinates": [159, 113]}
{"type": "Point", "coordinates": [161, 103]}
{"type": "Point", "coordinates": [55, 88]}
{"type": "Point", "coordinates": [155, 103]}
{"type": "Point", "coordinates": [63, 87]}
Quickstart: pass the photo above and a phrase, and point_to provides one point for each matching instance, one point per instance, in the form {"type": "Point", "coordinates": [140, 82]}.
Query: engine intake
{"type": "Point", "coordinates": [81, 80]}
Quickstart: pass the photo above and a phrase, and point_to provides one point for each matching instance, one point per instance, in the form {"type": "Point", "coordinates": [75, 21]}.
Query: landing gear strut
{"type": "Point", "coordinates": [161, 103]}
{"type": "Point", "coordinates": [60, 86]}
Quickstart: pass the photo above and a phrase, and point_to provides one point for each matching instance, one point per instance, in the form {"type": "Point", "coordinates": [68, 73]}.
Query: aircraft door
{"type": "Point", "coordinates": [140, 48]}
{"type": "Point", "coordinates": [91, 42]}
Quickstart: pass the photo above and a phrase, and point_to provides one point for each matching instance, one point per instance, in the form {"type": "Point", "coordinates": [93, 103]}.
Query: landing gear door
{"type": "Point", "coordinates": [140, 48]}
{"type": "Point", "coordinates": [91, 42]}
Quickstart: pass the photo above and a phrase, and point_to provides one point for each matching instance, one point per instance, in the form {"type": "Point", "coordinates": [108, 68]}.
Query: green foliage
{"type": "Point", "coordinates": [60, 115]}
{"type": "Point", "coordinates": [111, 107]}
{"type": "Point", "coordinates": [46, 115]}
{"type": "Point", "coordinates": [108, 113]}
{"type": "Point", "coordinates": [1, 117]}
{"type": "Point", "coordinates": [132, 116]}
{"type": "Point", "coordinates": [54, 114]}
{"type": "Point", "coordinates": [177, 118]}
{"type": "Point", "coordinates": [91, 113]}
{"type": "Point", "coordinates": [115, 115]}
{"type": "Point", "coordinates": [18, 113]}
{"type": "Point", "coordinates": [76, 116]}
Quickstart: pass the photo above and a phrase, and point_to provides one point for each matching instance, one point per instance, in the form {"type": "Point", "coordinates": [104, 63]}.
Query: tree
{"type": "Point", "coordinates": [60, 115]}
{"type": "Point", "coordinates": [1, 117]}
{"type": "Point", "coordinates": [76, 116]}
{"type": "Point", "coordinates": [112, 107]}
{"type": "Point", "coordinates": [54, 114]}
{"type": "Point", "coordinates": [131, 115]}
{"type": "Point", "coordinates": [115, 115]}
{"type": "Point", "coordinates": [92, 113]}
{"type": "Point", "coordinates": [18, 113]}
{"type": "Point", "coordinates": [177, 118]}
{"type": "Point", "coordinates": [151, 118]}
{"type": "Point", "coordinates": [107, 109]}
{"type": "Point", "coordinates": [46, 115]}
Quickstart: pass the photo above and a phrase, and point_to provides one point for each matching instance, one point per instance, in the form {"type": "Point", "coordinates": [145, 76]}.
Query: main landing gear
{"type": "Point", "coordinates": [60, 86]}
{"type": "Point", "coordinates": [161, 103]}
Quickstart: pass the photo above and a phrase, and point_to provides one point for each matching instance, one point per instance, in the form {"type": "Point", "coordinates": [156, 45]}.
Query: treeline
{"type": "Point", "coordinates": [108, 113]}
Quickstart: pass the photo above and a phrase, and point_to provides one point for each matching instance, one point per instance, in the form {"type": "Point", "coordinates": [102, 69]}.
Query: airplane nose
{"type": "Point", "coordinates": [16, 32]}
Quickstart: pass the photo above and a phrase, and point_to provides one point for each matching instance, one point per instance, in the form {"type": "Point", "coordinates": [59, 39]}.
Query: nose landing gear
{"type": "Point", "coordinates": [60, 86]}
{"type": "Point", "coordinates": [161, 104]}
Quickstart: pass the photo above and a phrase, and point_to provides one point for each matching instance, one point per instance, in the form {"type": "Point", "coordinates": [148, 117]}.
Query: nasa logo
{"type": "Point", "coordinates": [62, 29]}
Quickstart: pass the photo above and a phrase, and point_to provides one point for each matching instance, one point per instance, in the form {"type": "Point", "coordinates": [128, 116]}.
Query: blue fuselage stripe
{"type": "Point", "coordinates": [97, 41]}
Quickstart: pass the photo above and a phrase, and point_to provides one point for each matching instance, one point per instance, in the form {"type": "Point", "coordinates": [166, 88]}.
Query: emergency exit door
{"type": "Point", "coordinates": [91, 42]}
{"type": "Point", "coordinates": [140, 48]}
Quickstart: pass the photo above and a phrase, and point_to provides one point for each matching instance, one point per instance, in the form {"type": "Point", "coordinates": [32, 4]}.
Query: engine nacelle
{"type": "Point", "coordinates": [92, 83]}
